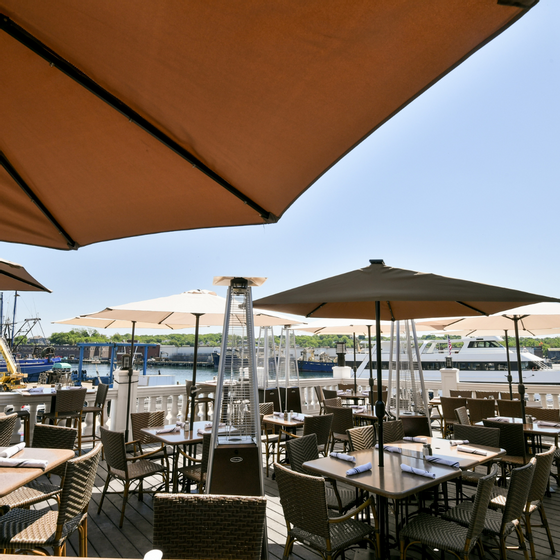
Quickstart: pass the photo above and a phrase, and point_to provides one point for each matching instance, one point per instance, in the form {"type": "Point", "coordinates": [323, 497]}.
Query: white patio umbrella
{"type": "Point", "coordinates": [195, 308]}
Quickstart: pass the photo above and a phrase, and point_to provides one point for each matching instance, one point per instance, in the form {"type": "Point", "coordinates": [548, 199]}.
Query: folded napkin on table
{"type": "Point", "coordinates": [550, 424]}
{"type": "Point", "coordinates": [416, 439]}
{"type": "Point", "coordinates": [389, 448]}
{"type": "Point", "coordinates": [298, 417]}
{"type": "Point", "coordinates": [441, 461]}
{"type": "Point", "coordinates": [181, 424]}
{"type": "Point", "coordinates": [31, 463]}
{"type": "Point", "coordinates": [454, 442]}
{"type": "Point", "coordinates": [35, 390]}
{"type": "Point", "coordinates": [10, 451]}
{"type": "Point", "coordinates": [464, 449]}
{"type": "Point", "coordinates": [278, 414]}
{"type": "Point", "coordinates": [359, 469]}
{"type": "Point", "coordinates": [500, 419]}
{"type": "Point", "coordinates": [358, 409]}
{"type": "Point", "coordinates": [344, 457]}
{"type": "Point", "coordinates": [169, 430]}
{"type": "Point", "coordinates": [208, 425]}
{"type": "Point", "coordinates": [414, 470]}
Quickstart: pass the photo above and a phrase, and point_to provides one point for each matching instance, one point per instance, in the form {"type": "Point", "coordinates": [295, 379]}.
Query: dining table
{"type": "Point", "coordinates": [390, 481]}
{"type": "Point", "coordinates": [12, 478]}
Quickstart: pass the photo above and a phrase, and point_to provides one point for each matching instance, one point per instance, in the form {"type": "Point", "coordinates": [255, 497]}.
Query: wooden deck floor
{"type": "Point", "coordinates": [105, 539]}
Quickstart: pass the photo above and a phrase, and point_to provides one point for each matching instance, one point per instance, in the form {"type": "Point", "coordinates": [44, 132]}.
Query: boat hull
{"type": "Point", "coordinates": [32, 367]}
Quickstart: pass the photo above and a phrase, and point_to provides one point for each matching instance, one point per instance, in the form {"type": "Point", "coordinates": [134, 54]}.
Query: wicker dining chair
{"type": "Point", "coordinates": [320, 398]}
{"type": "Point", "coordinates": [7, 424]}
{"type": "Point", "coordinates": [146, 444]}
{"type": "Point", "coordinates": [442, 534]}
{"type": "Point", "coordinates": [319, 425]}
{"type": "Point", "coordinates": [507, 397]}
{"type": "Point", "coordinates": [416, 425]}
{"type": "Point", "coordinates": [330, 393]}
{"type": "Point", "coordinates": [304, 449]}
{"type": "Point", "coordinates": [511, 409]}
{"type": "Point", "coordinates": [343, 419]}
{"type": "Point", "coordinates": [479, 409]}
{"type": "Point", "coordinates": [336, 402]}
{"type": "Point", "coordinates": [68, 405]}
{"type": "Point", "coordinates": [33, 530]}
{"type": "Point", "coordinates": [462, 416]}
{"type": "Point", "coordinates": [363, 437]}
{"type": "Point", "coordinates": [268, 438]}
{"type": "Point", "coordinates": [198, 468]}
{"type": "Point", "coordinates": [546, 414]}
{"type": "Point", "coordinates": [499, 524]}
{"type": "Point", "coordinates": [462, 393]}
{"type": "Point", "coordinates": [39, 490]}
{"type": "Point", "coordinates": [448, 406]}
{"type": "Point", "coordinates": [127, 469]}
{"type": "Point", "coordinates": [303, 499]}
{"type": "Point", "coordinates": [492, 395]}
{"type": "Point", "coordinates": [392, 431]}
{"type": "Point", "coordinates": [97, 410]}
{"type": "Point", "coordinates": [209, 526]}
{"type": "Point", "coordinates": [535, 499]}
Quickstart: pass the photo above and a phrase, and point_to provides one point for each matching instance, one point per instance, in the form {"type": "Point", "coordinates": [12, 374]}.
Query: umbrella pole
{"type": "Point", "coordinates": [355, 368]}
{"type": "Point", "coordinates": [509, 378]}
{"type": "Point", "coordinates": [130, 370]}
{"type": "Point", "coordinates": [195, 359]}
{"type": "Point", "coordinates": [379, 405]}
{"type": "Point", "coordinates": [520, 387]}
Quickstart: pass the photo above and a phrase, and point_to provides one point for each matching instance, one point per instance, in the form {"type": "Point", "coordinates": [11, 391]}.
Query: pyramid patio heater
{"type": "Point", "coordinates": [235, 463]}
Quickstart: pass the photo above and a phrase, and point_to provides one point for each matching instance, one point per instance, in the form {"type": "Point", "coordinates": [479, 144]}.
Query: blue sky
{"type": "Point", "coordinates": [463, 182]}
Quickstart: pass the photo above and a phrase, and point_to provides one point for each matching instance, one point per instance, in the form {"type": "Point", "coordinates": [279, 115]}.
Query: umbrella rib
{"type": "Point", "coordinates": [19, 279]}
{"type": "Point", "coordinates": [5, 163]}
{"type": "Point", "coordinates": [40, 49]}
{"type": "Point", "coordinates": [473, 308]}
{"type": "Point", "coordinates": [316, 309]}
{"type": "Point", "coordinates": [391, 310]}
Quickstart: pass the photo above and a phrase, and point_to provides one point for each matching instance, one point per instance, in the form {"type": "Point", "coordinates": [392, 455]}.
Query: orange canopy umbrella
{"type": "Point", "coordinates": [129, 118]}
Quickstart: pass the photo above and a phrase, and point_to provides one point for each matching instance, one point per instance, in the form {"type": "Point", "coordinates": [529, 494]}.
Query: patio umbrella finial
{"type": "Point", "coordinates": [377, 261]}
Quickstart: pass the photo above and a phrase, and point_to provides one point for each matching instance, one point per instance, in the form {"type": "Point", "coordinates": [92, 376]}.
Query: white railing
{"type": "Point", "coordinates": [172, 398]}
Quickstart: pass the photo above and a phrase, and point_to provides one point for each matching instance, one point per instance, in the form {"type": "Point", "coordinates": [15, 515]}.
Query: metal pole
{"type": "Point", "coordinates": [355, 368]}
{"type": "Point", "coordinates": [14, 320]}
{"type": "Point", "coordinates": [509, 378]}
{"type": "Point", "coordinates": [195, 359]}
{"type": "Point", "coordinates": [379, 405]}
{"type": "Point", "coordinates": [130, 370]}
{"type": "Point", "coordinates": [521, 387]}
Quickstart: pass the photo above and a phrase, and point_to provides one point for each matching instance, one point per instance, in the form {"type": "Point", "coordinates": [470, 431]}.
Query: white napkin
{"type": "Point", "coordinates": [208, 426]}
{"type": "Point", "coordinates": [358, 409]}
{"type": "Point", "coordinates": [441, 461]}
{"type": "Point", "coordinates": [464, 449]}
{"type": "Point", "coordinates": [359, 469]}
{"type": "Point", "coordinates": [169, 430]}
{"type": "Point", "coordinates": [31, 463]}
{"type": "Point", "coordinates": [11, 451]}
{"type": "Point", "coordinates": [281, 414]}
{"type": "Point", "coordinates": [390, 448]}
{"type": "Point", "coordinates": [416, 439]}
{"type": "Point", "coordinates": [414, 470]}
{"type": "Point", "coordinates": [454, 442]}
{"type": "Point", "coordinates": [344, 457]}
{"type": "Point", "coordinates": [550, 424]}
{"type": "Point", "coordinates": [35, 390]}
{"type": "Point", "coordinates": [298, 417]}
{"type": "Point", "coordinates": [500, 419]}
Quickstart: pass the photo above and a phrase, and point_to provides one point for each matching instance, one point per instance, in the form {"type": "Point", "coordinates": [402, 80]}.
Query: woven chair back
{"type": "Point", "coordinates": [54, 437]}
{"type": "Point", "coordinates": [416, 425]}
{"type": "Point", "coordinates": [300, 450]}
{"type": "Point", "coordinates": [342, 419]}
{"type": "Point", "coordinates": [462, 393]}
{"type": "Point", "coordinates": [392, 431]}
{"type": "Point", "coordinates": [512, 438]}
{"type": "Point", "coordinates": [510, 408]}
{"type": "Point", "coordinates": [69, 401]}
{"type": "Point", "coordinates": [478, 435]}
{"type": "Point", "coordinates": [542, 475]}
{"type": "Point", "coordinates": [484, 490]}
{"type": "Point", "coordinates": [462, 415]}
{"type": "Point", "coordinates": [333, 403]}
{"type": "Point", "coordinates": [141, 420]}
{"type": "Point", "coordinates": [487, 394]}
{"type": "Point", "coordinates": [319, 393]}
{"type": "Point", "coordinates": [448, 406]}
{"type": "Point", "coordinates": [101, 395]}
{"type": "Point", "coordinates": [303, 500]}
{"type": "Point", "coordinates": [115, 450]}
{"type": "Point", "coordinates": [320, 426]}
{"type": "Point", "coordinates": [266, 408]}
{"type": "Point", "coordinates": [330, 394]}
{"type": "Point", "coordinates": [506, 396]}
{"type": "Point", "coordinates": [518, 491]}
{"type": "Point", "coordinates": [7, 424]}
{"type": "Point", "coordinates": [209, 526]}
{"type": "Point", "coordinates": [479, 409]}
{"type": "Point", "coordinates": [205, 453]}
{"type": "Point", "coordinates": [77, 487]}
{"type": "Point", "coordinates": [546, 414]}
{"type": "Point", "coordinates": [361, 438]}
{"type": "Point", "coordinates": [346, 386]}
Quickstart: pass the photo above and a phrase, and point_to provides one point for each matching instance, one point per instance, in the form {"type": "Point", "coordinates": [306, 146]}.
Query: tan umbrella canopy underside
{"type": "Point", "coordinates": [129, 118]}
{"type": "Point", "coordinates": [14, 277]}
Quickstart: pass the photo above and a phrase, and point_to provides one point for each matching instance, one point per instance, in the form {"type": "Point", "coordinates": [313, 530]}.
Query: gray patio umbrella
{"type": "Point", "coordinates": [13, 277]}
{"type": "Point", "coordinates": [382, 292]}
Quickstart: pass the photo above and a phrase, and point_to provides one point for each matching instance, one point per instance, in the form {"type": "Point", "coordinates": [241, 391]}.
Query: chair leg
{"type": "Point", "coordinates": [103, 493]}
{"type": "Point", "coordinates": [529, 531]}
{"type": "Point", "coordinates": [522, 545]}
{"type": "Point", "coordinates": [546, 527]}
{"type": "Point", "coordinates": [82, 532]}
{"type": "Point", "coordinates": [125, 500]}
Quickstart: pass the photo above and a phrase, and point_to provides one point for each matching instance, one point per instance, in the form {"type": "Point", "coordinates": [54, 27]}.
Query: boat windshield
{"type": "Point", "coordinates": [484, 344]}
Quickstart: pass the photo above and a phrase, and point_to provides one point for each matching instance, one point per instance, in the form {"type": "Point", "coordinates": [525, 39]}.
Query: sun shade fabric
{"type": "Point", "coordinates": [403, 294]}
{"type": "Point", "coordinates": [13, 277]}
{"type": "Point", "coordinates": [266, 95]}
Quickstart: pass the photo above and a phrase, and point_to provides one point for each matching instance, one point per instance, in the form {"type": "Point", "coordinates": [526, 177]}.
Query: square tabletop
{"type": "Point", "coordinates": [388, 481]}
{"type": "Point", "coordinates": [12, 478]}
{"type": "Point", "coordinates": [279, 421]}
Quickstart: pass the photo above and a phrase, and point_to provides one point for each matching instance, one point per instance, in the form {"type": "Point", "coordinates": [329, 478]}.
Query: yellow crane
{"type": "Point", "coordinates": [12, 379]}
